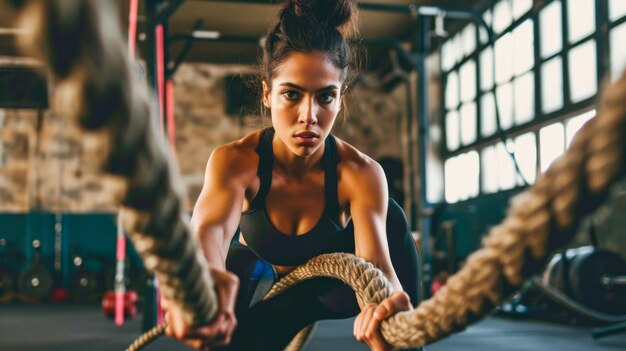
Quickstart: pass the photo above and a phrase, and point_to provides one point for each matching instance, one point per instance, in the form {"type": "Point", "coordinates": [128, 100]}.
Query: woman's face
{"type": "Point", "coordinates": [304, 99]}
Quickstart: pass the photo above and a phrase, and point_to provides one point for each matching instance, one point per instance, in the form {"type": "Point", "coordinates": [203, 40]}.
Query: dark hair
{"type": "Point", "coordinates": [312, 26]}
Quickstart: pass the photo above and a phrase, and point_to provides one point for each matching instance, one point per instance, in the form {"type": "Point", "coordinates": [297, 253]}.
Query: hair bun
{"type": "Point", "coordinates": [336, 13]}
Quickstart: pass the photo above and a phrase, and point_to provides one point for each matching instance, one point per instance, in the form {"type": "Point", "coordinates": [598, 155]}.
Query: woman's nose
{"type": "Point", "coordinates": [308, 112]}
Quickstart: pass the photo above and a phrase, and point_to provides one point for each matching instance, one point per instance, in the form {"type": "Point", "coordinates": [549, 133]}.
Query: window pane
{"type": "Point", "coordinates": [504, 94]}
{"type": "Point", "coordinates": [468, 123]}
{"type": "Point", "coordinates": [520, 7]}
{"type": "Point", "coordinates": [526, 156]}
{"type": "Point", "coordinates": [551, 144]}
{"type": "Point", "coordinates": [551, 29]}
{"type": "Point", "coordinates": [552, 85]}
{"type": "Point", "coordinates": [506, 169]}
{"type": "Point", "coordinates": [468, 38]}
{"type": "Point", "coordinates": [489, 170]}
{"type": "Point", "coordinates": [617, 9]}
{"type": "Point", "coordinates": [486, 69]}
{"type": "Point", "coordinates": [452, 130]}
{"type": "Point", "coordinates": [524, 87]}
{"type": "Point", "coordinates": [484, 38]}
{"type": "Point", "coordinates": [504, 58]}
{"type": "Point", "coordinates": [581, 19]}
{"type": "Point", "coordinates": [524, 51]}
{"type": "Point", "coordinates": [469, 166]}
{"type": "Point", "coordinates": [618, 50]}
{"type": "Point", "coordinates": [488, 115]}
{"type": "Point", "coordinates": [582, 71]}
{"type": "Point", "coordinates": [458, 48]}
{"type": "Point", "coordinates": [453, 180]}
{"type": "Point", "coordinates": [575, 123]}
{"type": "Point", "coordinates": [452, 90]}
{"type": "Point", "coordinates": [502, 16]}
{"type": "Point", "coordinates": [447, 55]}
{"type": "Point", "coordinates": [468, 81]}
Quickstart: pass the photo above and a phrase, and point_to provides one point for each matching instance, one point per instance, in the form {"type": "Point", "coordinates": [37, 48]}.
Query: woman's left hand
{"type": "Point", "coordinates": [367, 323]}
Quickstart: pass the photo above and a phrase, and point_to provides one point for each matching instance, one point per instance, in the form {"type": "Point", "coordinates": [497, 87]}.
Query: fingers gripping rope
{"type": "Point", "coordinates": [80, 43]}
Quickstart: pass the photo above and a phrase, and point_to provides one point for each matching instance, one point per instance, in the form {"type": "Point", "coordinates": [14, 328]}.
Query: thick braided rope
{"type": "Point", "coordinates": [147, 337]}
{"type": "Point", "coordinates": [302, 338]}
{"type": "Point", "coordinates": [80, 43]}
{"type": "Point", "coordinates": [539, 221]}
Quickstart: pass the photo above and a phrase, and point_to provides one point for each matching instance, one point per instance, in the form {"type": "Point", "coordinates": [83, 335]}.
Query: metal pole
{"type": "Point", "coordinates": [426, 209]}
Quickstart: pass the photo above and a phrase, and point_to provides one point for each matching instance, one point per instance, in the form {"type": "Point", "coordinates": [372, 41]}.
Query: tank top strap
{"type": "Point", "coordinates": [266, 161]}
{"type": "Point", "coordinates": [330, 178]}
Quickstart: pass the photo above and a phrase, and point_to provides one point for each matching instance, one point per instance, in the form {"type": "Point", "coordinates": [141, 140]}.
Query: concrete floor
{"type": "Point", "coordinates": [83, 327]}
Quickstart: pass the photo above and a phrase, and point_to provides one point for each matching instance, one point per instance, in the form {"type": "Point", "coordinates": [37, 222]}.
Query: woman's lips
{"type": "Point", "coordinates": [306, 138]}
{"type": "Point", "coordinates": [306, 134]}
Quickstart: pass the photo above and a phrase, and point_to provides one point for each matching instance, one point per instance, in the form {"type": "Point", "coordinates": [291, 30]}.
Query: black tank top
{"type": "Point", "coordinates": [290, 250]}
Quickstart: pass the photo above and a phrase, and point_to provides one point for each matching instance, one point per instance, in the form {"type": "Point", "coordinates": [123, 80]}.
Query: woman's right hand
{"type": "Point", "coordinates": [219, 331]}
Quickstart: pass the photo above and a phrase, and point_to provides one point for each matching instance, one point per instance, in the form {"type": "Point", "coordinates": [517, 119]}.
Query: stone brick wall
{"type": "Point", "coordinates": [45, 166]}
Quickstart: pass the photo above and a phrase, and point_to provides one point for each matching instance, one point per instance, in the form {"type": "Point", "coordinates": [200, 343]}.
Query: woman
{"type": "Point", "coordinates": [295, 192]}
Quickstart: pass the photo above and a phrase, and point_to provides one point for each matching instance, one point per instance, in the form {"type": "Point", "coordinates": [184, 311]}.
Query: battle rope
{"type": "Point", "coordinates": [81, 45]}
{"type": "Point", "coordinates": [540, 220]}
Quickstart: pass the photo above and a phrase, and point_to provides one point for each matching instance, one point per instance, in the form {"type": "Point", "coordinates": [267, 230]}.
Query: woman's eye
{"type": "Point", "coordinates": [290, 95]}
{"type": "Point", "coordinates": [326, 98]}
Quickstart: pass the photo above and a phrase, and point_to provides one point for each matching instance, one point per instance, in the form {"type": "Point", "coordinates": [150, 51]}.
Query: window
{"type": "Point", "coordinates": [486, 69]}
{"type": "Point", "coordinates": [502, 16]}
{"type": "Point", "coordinates": [468, 81]}
{"type": "Point", "coordinates": [447, 55]}
{"type": "Point", "coordinates": [468, 39]}
{"type": "Point", "coordinates": [489, 167]}
{"type": "Point", "coordinates": [452, 130]}
{"type": "Point", "coordinates": [551, 144]}
{"type": "Point", "coordinates": [462, 177]}
{"type": "Point", "coordinates": [468, 123]}
{"type": "Point", "coordinates": [504, 58]}
{"type": "Point", "coordinates": [506, 168]}
{"type": "Point", "coordinates": [488, 117]}
{"type": "Point", "coordinates": [617, 9]}
{"type": "Point", "coordinates": [582, 71]}
{"type": "Point", "coordinates": [484, 37]}
{"type": "Point", "coordinates": [523, 53]}
{"type": "Point", "coordinates": [550, 26]}
{"type": "Point", "coordinates": [552, 85]}
{"type": "Point", "coordinates": [581, 19]}
{"type": "Point", "coordinates": [536, 83]}
{"type": "Point", "coordinates": [524, 88]}
{"type": "Point", "coordinates": [521, 7]}
{"type": "Point", "coordinates": [526, 156]}
{"type": "Point", "coordinates": [618, 50]}
{"type": "Point", "coordinates": [452, 90]}
{"type": "Point", "coordinates": [504, 94]}
{"type": "Point", "coordinates": [451, 180]}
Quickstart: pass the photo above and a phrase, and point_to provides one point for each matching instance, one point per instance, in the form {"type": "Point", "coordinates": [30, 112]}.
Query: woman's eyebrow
{"type": "Point", "coordinates": [295, 86]}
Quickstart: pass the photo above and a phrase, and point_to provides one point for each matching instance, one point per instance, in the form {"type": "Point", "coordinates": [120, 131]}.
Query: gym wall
{"type": "Point", "coordinates": [52, 170]}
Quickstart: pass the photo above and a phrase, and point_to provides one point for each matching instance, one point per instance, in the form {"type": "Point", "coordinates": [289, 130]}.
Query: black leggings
{"type": "Point", "coordinates": [270, 325]}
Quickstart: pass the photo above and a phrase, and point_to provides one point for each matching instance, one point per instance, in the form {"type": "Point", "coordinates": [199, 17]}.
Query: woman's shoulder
{"type": "Point", "coordinates": [236, 157]}
{"type": "Point", "coordinates": [354, 163]}
{"type": "Point", "coordinates": [241, 147]}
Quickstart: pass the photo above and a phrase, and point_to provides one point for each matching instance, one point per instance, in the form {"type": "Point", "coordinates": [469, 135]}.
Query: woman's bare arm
{"type": "Point", "coordinates": [215, 219]}
{"type": "Point", "coordinates": [368, 199]}
{"type": "Point", "coordinates": [217, 212]}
